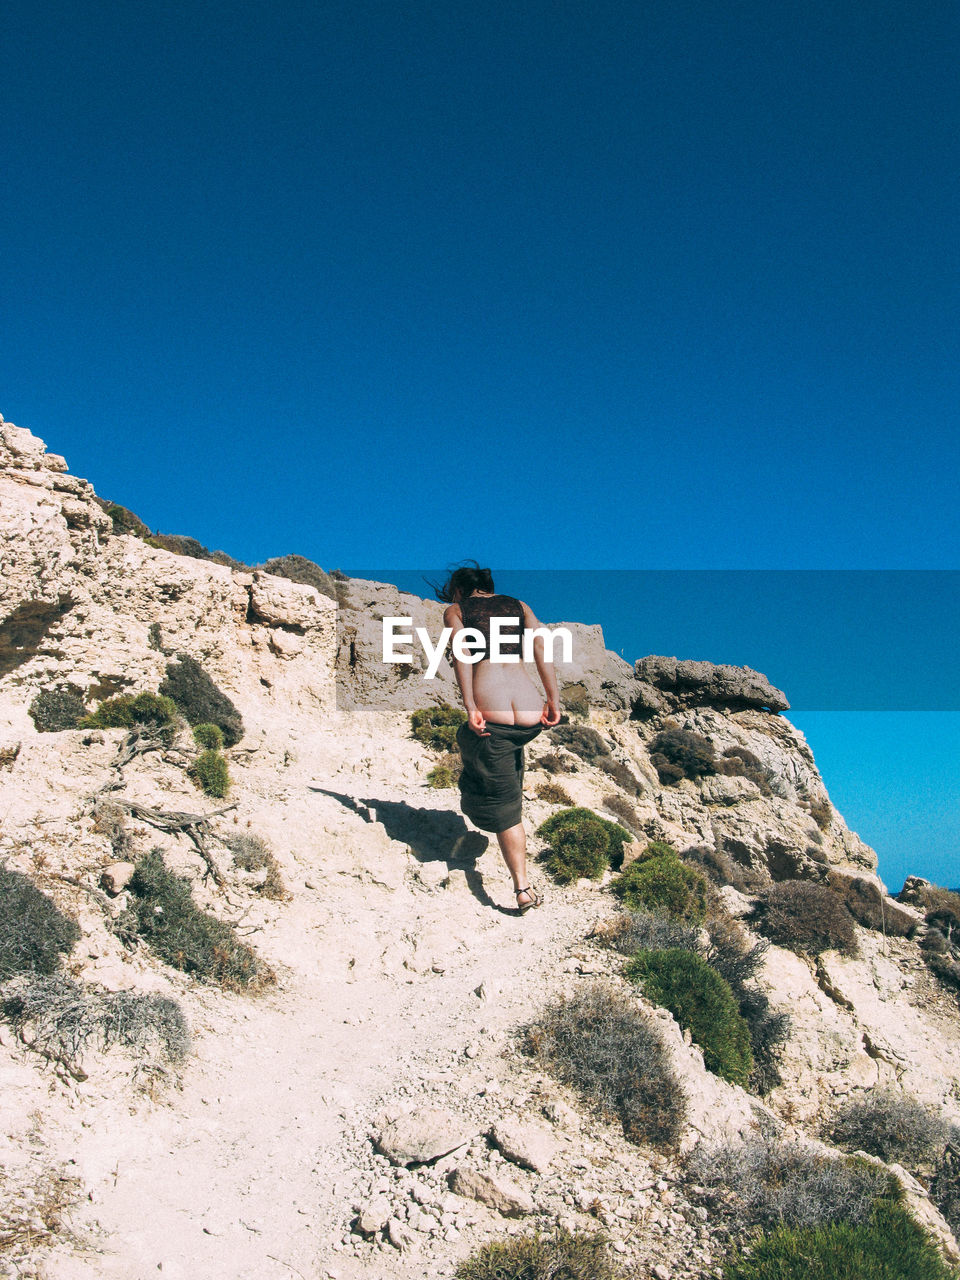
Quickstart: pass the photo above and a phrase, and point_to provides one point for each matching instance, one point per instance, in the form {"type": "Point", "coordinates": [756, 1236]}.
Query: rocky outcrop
{"type": "Point", "coordinates": [668, 684]}
{"type": "Point", "coordinates": [81, 605]}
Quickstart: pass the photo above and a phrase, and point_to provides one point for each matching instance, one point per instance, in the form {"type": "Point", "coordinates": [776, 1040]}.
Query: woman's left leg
{"type": "Point", "coordinates": [513, 846]}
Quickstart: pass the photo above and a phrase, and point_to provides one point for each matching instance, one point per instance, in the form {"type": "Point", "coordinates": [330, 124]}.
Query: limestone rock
{"type": "Point", "coordinates": [116, 876]}
{"type": "Point", "coordinates": [704, 683]}
{"type": "Point", "coordinates": [530, 1146]}
{"type": "Point", "coordinates": [424, 1136]}
{"type": "Point", "coordinates": [497, 1193]}
{"type": "Point", "coordinates": [374, 1216]}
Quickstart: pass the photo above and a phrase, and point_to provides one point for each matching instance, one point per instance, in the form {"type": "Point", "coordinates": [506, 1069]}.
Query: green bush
{"type": "Point", "coordinates": [441, 776]}
{"type": "Point", "coordinates": [737, 958]}
{"type": "Point", "coordinates": [126, 711]}
{"type": "Point", "coordinates": [437, 727]}
{"type": "Point", "coordinates": [34, 933]}
{"type": "Point", "coordinates": [613, 1054]}
{"type": "Point", "coordinates": [805, 917]}
{"type": "Point", "coordinates": [209, 736]}
{"type": "Point", "coordinates": [563, 1255]}
{"type": "Point", "coordinates": [54, 710]}
{"type": "Point", "coordinates": [703, 1003]}
{"type": "Point", "coordinates": [662, 883]}
{"type": "Point", "coordinates": [890, 1246]}
{"type": "Point", "coordinates": [200, 700]}
{"type": "Point", "coordinates": [124, 520]}
{"type": "Point", "coordinates": [766, 1182]}
{"type": "Point", "coordinates": [680, 753]}
{"type": "Point", "coordinates": [187, 938]}
{"type": "Point", "coordinates": [581, 844]}
{"type": "Point", "coordinates": [211, 772]}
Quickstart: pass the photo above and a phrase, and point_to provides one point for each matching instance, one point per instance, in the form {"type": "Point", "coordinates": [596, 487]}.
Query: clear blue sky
{"type": "Point", "coordinates": [669, 285]}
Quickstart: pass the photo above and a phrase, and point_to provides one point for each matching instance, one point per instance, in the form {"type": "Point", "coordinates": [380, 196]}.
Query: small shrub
{"type": "Point", "coordinates": [600, 1044]}
{"type": "Point", "coordinates": [34, 933]}
{"type": "Point", "coordinates": [765, 1182]}
{"type": "Point", "coordinates": [942, 908]}
{"type": "Point", "coordinates": [252, 853]}
{"type": "Point", "coordinates": [54, 710]}
{"type": "Point", "coordinates": [703, 1003]}
{"type": "Point", "coordinates": [582, 844]}
{"type": "Point", "coordinates": [209, 736]}
{"type": "Point", "coordinates": [187, 938]}
{"type": "Point", "coordinates": [821, 811]}
{"type": "Point", "coordinates": [806, 917]}
{"type": "Point", "coordinates": [441, 776]}
{"type": "Point", "coordinates": [155, 637]}
{"type": "Point", "coordinates": [633, 931]}
{"type": "Point", "coordinates": [124, 520]}
{"type": "Point", "coordinates": [741, 763]}
{"type": "Point", "coordinates": [300, 569]}
{"type": "Point", "coordinates": [620, 773]}
{"type": "Point", "coordinates": [126, 711]}
{"type": "Point", "coordinates": [553, 793]}
{"type": "Point", "coordinates": [181, 545]}
{"type": "Point", "coordinates": [622, 810]}
{"type": "Point", "coordinates": [200, 700]}
{"type": "Point", "coordinates": [864, 901]}
{"type": "Point", "coordinates": [211, 773]}
{"type": "Point", "coordinates": [944, 967]}
{"type": "Point", "coordinates": [889, 1246]}
{"type": "Point", "coordinates": [553, 762]}
{"type": "Point", "coordinates": [437, 727]}
{"type": "Point", "coordinates": [581, 740]}
{"type": "Point", "coordinates": [64, 1019]}
{"type": "Point", "coordinates": [724, 869]}
{"type": "Point", "coordinates": [575, 700]}
{"type": "Point", "coordinates": [563, 1255]}
{"type": "Point", "coordinates": [895, 1127]}
{"type": "Point", "coordinates": [680, 753]}
{"type": "Point", "coordinates": [662, 883]}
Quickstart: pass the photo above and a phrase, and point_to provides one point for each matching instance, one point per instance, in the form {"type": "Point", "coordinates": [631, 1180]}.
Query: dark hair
{"type": "Point", "coordinates": [466, 578]}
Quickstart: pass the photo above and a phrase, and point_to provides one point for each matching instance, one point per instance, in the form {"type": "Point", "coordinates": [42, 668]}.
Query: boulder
{"type": "Point", "coordinates": [530, 1146]}
{"type": "Point", "coordinates": [422, 1137]}
{"type": "Point", "coordinates": [497, 1193]}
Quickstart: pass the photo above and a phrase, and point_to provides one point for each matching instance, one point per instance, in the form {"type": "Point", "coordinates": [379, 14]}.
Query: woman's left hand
{"type": "Point", "coordinates": [550, 715]}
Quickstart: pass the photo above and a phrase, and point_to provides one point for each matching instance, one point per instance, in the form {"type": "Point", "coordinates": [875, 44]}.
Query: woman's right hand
{"type": "Point", "coordinates": [477, 723]}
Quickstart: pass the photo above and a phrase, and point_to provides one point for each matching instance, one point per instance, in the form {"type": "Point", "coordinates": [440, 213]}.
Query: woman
{"type": "Point", "coordinates": [504, 710]}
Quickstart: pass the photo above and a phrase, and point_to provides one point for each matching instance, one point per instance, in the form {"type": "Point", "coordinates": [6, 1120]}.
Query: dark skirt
{"type": "Point", "coordinates": [491, 784]}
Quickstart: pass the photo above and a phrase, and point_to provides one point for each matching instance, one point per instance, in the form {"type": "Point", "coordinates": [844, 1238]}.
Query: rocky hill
{"type": "Point", "coordinates": [347, 1089]}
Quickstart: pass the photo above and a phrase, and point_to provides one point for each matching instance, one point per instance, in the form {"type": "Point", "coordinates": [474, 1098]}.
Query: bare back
{"type": "Point", "coordinates": [504, 691]}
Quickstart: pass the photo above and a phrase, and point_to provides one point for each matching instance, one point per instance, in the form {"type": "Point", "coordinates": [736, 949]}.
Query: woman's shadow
{"type": "Point", "coordinates": [432, 835]}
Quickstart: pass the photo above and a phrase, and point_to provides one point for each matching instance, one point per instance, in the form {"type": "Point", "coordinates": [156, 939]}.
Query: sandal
{"type": "Point", "coordinates": [535, 900]}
